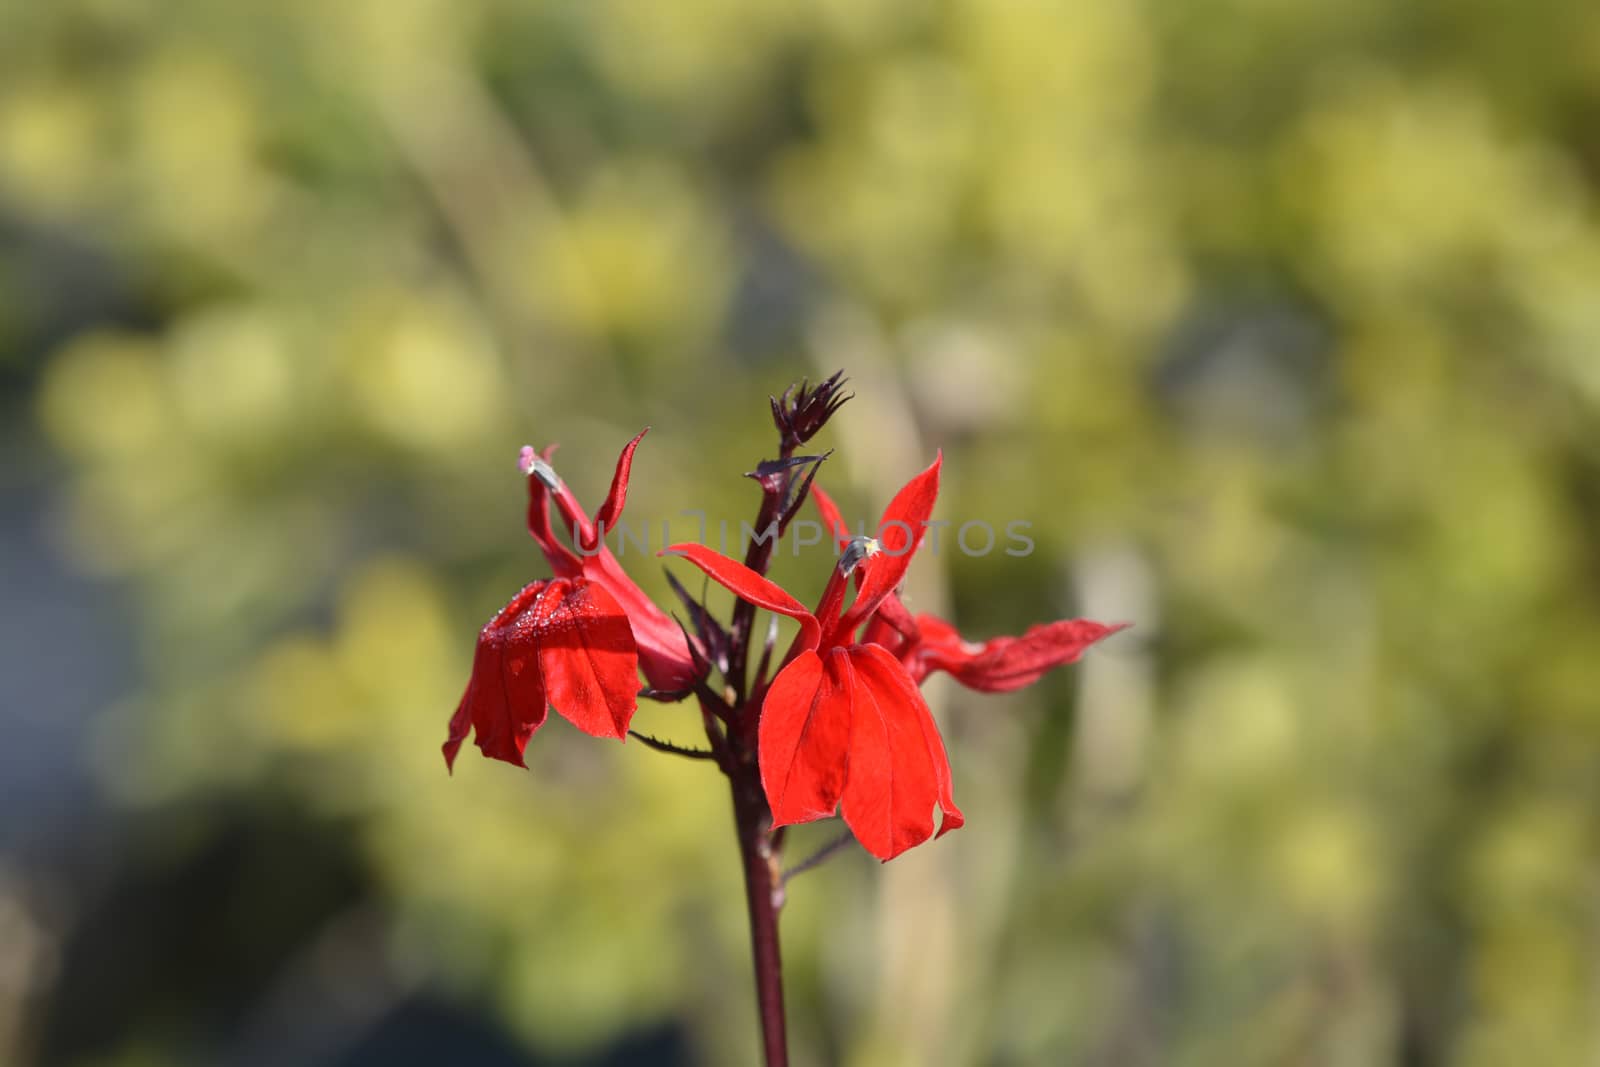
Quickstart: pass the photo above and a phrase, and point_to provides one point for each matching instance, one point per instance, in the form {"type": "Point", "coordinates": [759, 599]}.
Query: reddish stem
{"type": "Point", "coordinates": [763, 888]}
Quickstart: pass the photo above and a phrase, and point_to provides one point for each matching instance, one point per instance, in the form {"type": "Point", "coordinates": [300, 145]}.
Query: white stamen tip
{"type": "Point", "coordinates": [530, 462]}
{"type": "Point", "coordinates": [857, 550]}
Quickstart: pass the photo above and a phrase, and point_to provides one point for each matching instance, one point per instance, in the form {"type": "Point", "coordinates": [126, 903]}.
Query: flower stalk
{"type": "Point", "coordinates": [798, 415]}
{"type": "Point", "coordinates": [760, 852]}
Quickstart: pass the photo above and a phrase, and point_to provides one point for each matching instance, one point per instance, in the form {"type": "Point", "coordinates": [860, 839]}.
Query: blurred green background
{"type": "Point", "coordinates": [1280, 321]}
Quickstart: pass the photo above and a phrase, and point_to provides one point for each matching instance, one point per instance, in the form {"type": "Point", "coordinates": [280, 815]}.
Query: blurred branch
{"type": "Point", "coordinates": [486, 184]}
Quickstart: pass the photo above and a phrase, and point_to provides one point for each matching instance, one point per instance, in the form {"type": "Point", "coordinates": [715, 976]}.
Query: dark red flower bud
{"type": "Point", "coordinates": [803, 409]}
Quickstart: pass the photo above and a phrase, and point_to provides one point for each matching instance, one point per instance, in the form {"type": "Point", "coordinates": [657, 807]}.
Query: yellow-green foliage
{"type": "Point", "coordinates": [1279, 321]}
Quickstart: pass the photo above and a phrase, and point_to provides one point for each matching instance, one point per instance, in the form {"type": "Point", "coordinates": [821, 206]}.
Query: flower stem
{"type": "Point", "coordinates": [764, 894]}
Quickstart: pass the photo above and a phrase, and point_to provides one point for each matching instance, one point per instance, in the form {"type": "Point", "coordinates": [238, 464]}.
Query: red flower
{"type": "Point", "coordinates": [843, 725]}
{"type": "Point", "coordinates": [575, 642]}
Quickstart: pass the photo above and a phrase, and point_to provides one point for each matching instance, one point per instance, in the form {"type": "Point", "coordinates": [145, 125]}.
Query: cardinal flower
{"type": "Point", "coordinates": [843, 725]}
{"type": "Point", "coordinates": [575, 642]}
{"type": "Point", "coordinates": [840, 727]}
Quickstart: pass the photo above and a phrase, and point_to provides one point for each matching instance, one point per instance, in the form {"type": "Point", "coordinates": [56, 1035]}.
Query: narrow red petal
{"type": "Point", "coordinates": [588, 656]}
{"type": "Point", "coordinates": [505, 698]}
{"type": "Point", "coordinates": [892, 627]}
{"type": "Point", "coordinates": [611, 509]}
{"type": "Point", "coordinates": [937, 631]}
{"type": "Point", "coordinates": [748, 585]}
{"type": "Point", "coordinates": [805, 738]}
{"type": "Point", "coordinates": [933, 633]}
{"type": "Point", "coordinates": [544, 486]}
{"type": "Point", "coordinates": [900, 533]}
{"type": "Point", "coordinates": [879, 632]}
{"type": "Point", "coordinates": [904, 520]}
{"type": "Point", "coordinates": [1006, 663]}
{"type": "Point", "coordinates": [563, 561]}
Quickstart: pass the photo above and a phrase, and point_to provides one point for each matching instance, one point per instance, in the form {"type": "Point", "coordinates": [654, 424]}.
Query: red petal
{"type": "Point", "coordinates": [505, 698]}
{"type": "Point", "coordinates": [563, 561]}
{"type": "Point", "coordinates": [888, 672]}
{"type": "Point", "coordinates": [805, 738]}
{"type": "Point", "coordinates": [588, 656]}
{"type": "Point", "coordinates": [898, 768]}
{"type": "Point", "coordinates": [577, 520]}
{"type": "Point", "coordinates": [900, 532]}
{"type": "Point", "coordinates": [663, 650]}
{"type": "Point", "coordinates": [748, 585]}
{"type": "Point", "coordinates": [892, 627]}
{"type": "Point", "coordinates": [611, 510]}
{"type": "Point", "coordinates": [1006, 663]}
{"type": "Point", "coordinates": [459, 729]}
{"type": "Point", "coordinates": [879, 632]}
